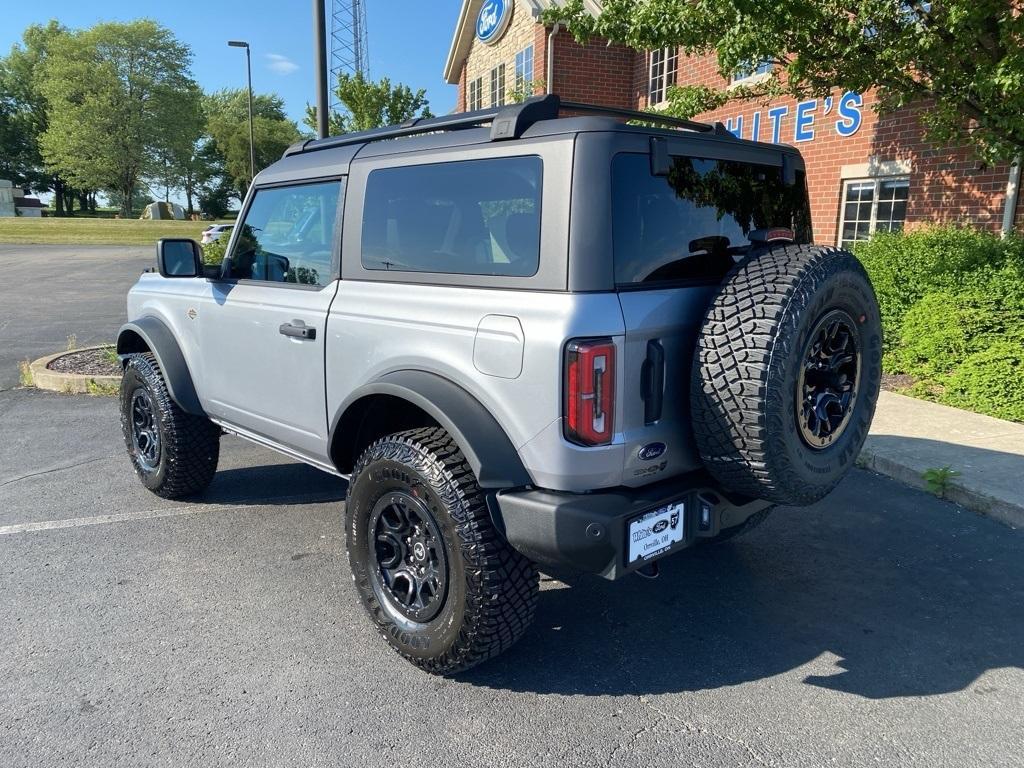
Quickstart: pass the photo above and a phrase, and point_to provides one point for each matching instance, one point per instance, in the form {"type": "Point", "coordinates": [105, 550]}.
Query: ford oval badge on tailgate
{"type": "Point", "coordinates": [651, 451]}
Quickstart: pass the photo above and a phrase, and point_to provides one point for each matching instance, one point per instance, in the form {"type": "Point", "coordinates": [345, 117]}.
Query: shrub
{"type": "Point", "coordinates": [904, 267]}
{"type": "Point", "coordinates": [952, 304]}
{"type": "Point", "coordinates": [213, 252]}
{"type": "Point", "coordinates": [990, 381]}
{"type": "Point", "coordinates": [944, 327]}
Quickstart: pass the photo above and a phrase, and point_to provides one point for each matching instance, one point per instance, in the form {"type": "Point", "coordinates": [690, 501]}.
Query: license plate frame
{"type": "Point", "coordinates": [656, 532]}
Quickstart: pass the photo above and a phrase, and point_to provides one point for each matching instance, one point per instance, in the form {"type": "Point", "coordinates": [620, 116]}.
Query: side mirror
{"type": "Point", "coordinates": [179, 257]}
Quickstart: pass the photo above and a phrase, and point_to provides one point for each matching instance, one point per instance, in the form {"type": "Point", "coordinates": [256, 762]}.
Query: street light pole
{"type": "Point", "coordinates": [248, 71]}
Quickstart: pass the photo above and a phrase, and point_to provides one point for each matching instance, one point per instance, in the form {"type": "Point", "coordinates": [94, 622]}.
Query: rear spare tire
{"type": "Point", "coordinates": [786, 373]}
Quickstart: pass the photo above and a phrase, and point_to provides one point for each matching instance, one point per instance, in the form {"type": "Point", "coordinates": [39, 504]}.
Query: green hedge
{"type": "Point", "coordinates": [952, 302]}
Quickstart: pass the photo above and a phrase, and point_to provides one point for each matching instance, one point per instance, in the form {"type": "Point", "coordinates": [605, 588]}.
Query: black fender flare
{"type": "Point", "coordinates": [488, 449]}
{"type": "Point", "coordinates": [159, 339]}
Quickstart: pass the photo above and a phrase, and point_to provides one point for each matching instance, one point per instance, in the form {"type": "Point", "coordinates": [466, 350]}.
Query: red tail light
{"type": "Point", "coordinates": [590, 391]}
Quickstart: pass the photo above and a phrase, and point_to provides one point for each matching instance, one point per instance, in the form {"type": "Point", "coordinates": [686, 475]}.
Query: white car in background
{"type": "Point", "coordinates": [214, 232]}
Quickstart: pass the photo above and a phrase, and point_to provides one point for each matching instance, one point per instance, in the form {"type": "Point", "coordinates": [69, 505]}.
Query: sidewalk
{"type": "Point", "coordinates": [910, 436]}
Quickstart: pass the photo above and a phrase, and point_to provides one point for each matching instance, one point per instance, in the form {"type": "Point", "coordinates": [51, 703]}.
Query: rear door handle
{"type": "Point", "coordinates": [297, 330]}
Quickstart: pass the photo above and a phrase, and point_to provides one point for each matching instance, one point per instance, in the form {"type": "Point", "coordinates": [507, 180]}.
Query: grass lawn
{"type": "Point", "coordinates": [75, 231]}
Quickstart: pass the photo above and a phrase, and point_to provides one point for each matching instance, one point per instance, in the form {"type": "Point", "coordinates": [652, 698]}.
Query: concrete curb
{"type": "Point", "coordinates": [70, 383]}
{"type": "Point", "coordinates": [977, 501]}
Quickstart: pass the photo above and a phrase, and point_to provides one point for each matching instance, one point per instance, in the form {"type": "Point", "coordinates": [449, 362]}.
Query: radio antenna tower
{"type": "Point", "coordinates": [348, 42]}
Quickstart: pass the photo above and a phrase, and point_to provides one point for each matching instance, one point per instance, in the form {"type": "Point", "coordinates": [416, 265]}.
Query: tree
{"type": "Point", "coordinates": [25, 112]}
{"type": "Point", "coordinates": [183, 162]}
{"type": "Point", "coordinates": [228, 125]}
{"type": "Point", "coordinates": [111, 89]}
{"type": "Point", "coordinates": [370, 104]}
{"type": "Point", "coordinates": [966, 56]}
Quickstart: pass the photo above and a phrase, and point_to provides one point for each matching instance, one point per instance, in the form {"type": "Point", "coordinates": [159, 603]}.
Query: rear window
{"type": "Point", "coordinates": [693, 224]}
{"type": "Point", "coordinates": [475, 217]}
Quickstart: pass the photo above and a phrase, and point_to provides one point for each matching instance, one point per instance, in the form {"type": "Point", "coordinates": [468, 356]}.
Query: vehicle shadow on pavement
{"type": "Point", "coordinates": [880, 590]}
{"type": "Point", "coordinates": [288, 483]}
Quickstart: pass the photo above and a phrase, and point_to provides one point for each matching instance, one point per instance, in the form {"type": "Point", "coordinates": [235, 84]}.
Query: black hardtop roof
{"type": "Point", "coordinates": [540, 116]}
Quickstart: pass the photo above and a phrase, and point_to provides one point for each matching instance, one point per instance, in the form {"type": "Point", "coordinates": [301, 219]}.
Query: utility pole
{"type": "Point", "coordinates": [320, 46]}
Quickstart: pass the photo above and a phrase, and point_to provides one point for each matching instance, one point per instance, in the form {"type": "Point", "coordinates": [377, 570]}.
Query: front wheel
{"type": "Point", "coordinates": [174, 453]}
{"type": "Point", "coordinates": [439, 582]}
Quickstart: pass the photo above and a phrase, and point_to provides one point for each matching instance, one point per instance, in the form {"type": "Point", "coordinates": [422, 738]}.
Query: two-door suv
{"type": "Point", "coordinates": [524, 338]}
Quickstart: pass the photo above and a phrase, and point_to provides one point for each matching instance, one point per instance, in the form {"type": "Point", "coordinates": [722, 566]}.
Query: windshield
{"type": "Point", "coordinates": [694, 223]}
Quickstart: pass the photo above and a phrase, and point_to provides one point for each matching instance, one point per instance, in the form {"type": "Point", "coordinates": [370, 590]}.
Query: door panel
{"type": "Point", "coordinates": [259, 378]}
{"type": "Point", "coordinates": [264, 326]}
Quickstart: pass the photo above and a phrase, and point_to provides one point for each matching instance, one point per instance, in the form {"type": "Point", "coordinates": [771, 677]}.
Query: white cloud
{"type": "Point", "coordinates": [282, 65]}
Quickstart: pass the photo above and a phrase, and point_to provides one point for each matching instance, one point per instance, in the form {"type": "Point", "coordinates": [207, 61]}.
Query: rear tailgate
{"type": "Point", "coordinates": [675, 238]}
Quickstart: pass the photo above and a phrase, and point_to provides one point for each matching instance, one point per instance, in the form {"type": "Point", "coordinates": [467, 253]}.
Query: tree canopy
{"type": "Point", "coordinates": [228, 123]}
{"type": "Point", "coordinates": [115, 94]}
{"type": "Point", "coordinates": [24, 111]}
{"type": "Point", "coordinates": [966, 57]}
{"type": "Point", "coordinates": [371, 104]}
{"type": "Point", "coordinates": [114, 109]}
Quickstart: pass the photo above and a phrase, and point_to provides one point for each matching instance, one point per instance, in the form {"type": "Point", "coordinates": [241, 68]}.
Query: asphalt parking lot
{"type": "Point", "coordinates": [881, 626]}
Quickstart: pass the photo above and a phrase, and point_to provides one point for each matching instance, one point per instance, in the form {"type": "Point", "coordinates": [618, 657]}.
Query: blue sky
{"type": "Point", "coordinates": [408, 40]}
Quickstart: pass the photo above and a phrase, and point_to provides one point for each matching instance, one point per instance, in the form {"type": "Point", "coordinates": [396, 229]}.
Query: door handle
{"type": "Point", "coordinates": [297, 330]}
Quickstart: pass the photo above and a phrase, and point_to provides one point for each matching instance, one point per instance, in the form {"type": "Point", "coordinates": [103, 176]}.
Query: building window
{"type": "Point", "coordinates": [498, 86]}
{"type": "Point", "coordinates": [872, 205]}
{"type": "Point", "coordinates": [524, 68]}
{"type": "Point", "coordinates": [476, 94]}
{"type": "Point", "coordinates": [747, 70]}
{"type": "Point", "coordinates": [664, 63]}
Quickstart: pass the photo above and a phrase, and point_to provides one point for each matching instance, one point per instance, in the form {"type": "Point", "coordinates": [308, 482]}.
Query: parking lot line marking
{"type": "Point", "coordinates": [149, 514]}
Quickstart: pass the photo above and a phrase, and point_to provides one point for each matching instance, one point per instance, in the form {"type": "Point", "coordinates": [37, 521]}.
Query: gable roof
{"type": "Point", "coordinates": [465, 29]}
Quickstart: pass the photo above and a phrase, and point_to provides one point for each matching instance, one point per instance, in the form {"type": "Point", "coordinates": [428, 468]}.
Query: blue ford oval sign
{"type": "Point", "coordinates": [651, 451]}
{"type": "Point", "coordinates": [493, 19]}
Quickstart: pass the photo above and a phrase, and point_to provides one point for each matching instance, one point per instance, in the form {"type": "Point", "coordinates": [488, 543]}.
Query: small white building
{"type": "Point", "coordinates": [14, 201]}
{"type": "Point", "coordinates": [7, 198]}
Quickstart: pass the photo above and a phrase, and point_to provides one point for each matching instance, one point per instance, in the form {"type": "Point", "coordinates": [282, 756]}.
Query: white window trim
{"type": "Point", "coordinates": [522, 79]}
{"type": "Point", "coordinates": [666, 84]}
{"type": "Point", "coordinates": [873, 221]}
{"type": "Point", "coordinates": [479, 81]}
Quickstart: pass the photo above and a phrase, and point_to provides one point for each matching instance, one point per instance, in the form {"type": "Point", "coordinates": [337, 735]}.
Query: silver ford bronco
{"type": "Point", "coordinates": [523, 337]}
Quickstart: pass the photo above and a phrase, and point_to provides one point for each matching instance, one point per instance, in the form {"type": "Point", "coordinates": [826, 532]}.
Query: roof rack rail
{"type": "Point", "coordinates": [647, 117]}
{"type": "Point", "coordinates": [507, 122]}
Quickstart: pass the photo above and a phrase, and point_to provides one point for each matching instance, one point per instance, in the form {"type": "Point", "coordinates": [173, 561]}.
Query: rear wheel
{"type": "Point", "coordinates": [786, 373]}
{"type": "Point", "coordinates": [440, 583]}
{"type": "Point", "coordinates": [174, 453]}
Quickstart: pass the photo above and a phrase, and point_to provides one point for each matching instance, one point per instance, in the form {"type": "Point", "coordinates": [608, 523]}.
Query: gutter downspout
{"type": "Point", "coordinates": [1012, 193]}
{"type": "Point", "coordinates": [551, 59]}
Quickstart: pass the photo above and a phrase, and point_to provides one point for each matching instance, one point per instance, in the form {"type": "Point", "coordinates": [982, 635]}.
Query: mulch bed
{"type": "Point", "coordinates": [896, 382]}
{"type": "Point", "coordinates": [89, 362]}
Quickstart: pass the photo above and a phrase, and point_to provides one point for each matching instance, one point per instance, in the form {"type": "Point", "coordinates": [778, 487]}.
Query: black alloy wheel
{"type": "Point", "coordinates": [826, 390]}
{"type": "Point", "coordinates": [409, 552]}
{"type": "Point", "coordinates": [145, 431]}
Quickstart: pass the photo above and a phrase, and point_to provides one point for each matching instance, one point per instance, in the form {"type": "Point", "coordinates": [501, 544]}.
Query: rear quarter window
{"type": "Point", "coordinates": [473, 217]}
{"type": "Point", "coordinates": [694, 223]}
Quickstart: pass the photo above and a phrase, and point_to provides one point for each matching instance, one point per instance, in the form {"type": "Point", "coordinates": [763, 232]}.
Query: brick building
{"type": "Point", "coordinates": [866, 172]}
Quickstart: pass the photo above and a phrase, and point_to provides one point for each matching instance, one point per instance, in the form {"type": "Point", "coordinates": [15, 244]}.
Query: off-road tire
{"type": "Point", "coordinates": [491, 590]}
{"type": "Point", "coordinates": [189, 444]}
{"type": "Point", "coordinates": [748, 360]}
{"type": "Point", "coordinates": [728, 534]}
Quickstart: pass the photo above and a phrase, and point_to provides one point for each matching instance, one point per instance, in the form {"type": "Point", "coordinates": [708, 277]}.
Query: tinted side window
{"type": "Point", "coordinates": [475, 217]}
{"type": "Point", "coordinates": [693, 224]}
{"type": "Point", "coordinates": [288, 235]}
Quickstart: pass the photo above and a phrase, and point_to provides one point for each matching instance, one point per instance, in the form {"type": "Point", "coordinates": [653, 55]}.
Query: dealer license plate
{"type": "Point", "coordinates": [655, 532]}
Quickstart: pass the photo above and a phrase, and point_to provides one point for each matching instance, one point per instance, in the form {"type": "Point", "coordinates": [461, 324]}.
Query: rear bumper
{"type": "Point", "coordinates": [588, 532]}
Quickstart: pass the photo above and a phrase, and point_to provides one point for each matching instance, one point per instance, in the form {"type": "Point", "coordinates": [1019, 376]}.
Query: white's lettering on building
{"type": "Point", "coordinates": [803, 123]}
